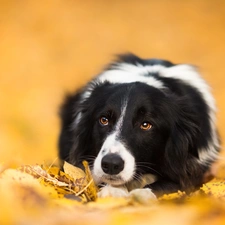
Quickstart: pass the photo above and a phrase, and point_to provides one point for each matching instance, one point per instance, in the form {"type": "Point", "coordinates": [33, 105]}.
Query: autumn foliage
{"type": "Point", "coordinates": [40, 194]}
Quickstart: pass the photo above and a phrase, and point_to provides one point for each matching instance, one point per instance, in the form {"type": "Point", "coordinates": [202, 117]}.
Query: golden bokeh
{"type": "Point", "coordinates": [48, 48]}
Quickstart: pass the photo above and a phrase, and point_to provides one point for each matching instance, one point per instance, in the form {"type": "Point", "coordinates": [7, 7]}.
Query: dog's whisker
{"type": "Point", "coordinates": [140, 168]}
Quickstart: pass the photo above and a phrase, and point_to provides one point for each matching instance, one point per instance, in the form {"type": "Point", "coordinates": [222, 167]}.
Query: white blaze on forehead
{"type": "Point", "coordinates": [122, 116]}
{"type": "Point", "coordinates": [111, 141]}
{"type": "Point", "coordinates": [113, 144]}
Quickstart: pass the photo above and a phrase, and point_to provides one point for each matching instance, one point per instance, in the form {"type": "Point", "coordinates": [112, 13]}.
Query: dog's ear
{"type": "Point", "coordinates": [82, 139]}
{"type": "Point", "coordinates": [67, 114]}
{"type": "Point", "coordinates": [182, 142]}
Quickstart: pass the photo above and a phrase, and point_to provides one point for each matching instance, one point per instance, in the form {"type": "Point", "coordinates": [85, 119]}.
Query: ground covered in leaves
{"type": "Point", "coordinates": [40, 194]}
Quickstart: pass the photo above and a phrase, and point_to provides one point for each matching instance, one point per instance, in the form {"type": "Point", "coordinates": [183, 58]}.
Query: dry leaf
{"type": "Point", "coordinates": [73, 171]}
{"type": "Point", "coordinates": [73, 183]}
{"type": "Point", "coordinates": [91, 187]}
{"type": "Point", "coordinates": [173, 196]}
{"type": "Point", "coordinates": [57, 198]}
{"type": "Point", "coordinates": [215, 188]}
{"type": "Point", "coordinates": [38, 172]}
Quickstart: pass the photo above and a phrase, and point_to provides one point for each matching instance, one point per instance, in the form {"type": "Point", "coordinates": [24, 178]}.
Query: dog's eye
{"type": "Point", "coordinates": [104, 121]}
{"type": "Point", "coordinates": [146, 126]}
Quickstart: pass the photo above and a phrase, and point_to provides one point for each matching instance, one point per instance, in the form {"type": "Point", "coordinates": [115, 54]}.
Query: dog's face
{"type": "Point", "coordinates": [131, 129]}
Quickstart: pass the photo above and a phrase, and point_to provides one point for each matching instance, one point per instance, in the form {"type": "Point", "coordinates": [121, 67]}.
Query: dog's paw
{"type": "Point", "coordinates": [110, 191]}
{"type": "Point", "coordinates": [143, 195]}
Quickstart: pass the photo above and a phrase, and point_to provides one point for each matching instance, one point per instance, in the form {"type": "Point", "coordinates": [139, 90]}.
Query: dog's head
{"type": "Point", "coordinates": [141, 117]}
{"type": "Point", "coordinates": [126, 130]}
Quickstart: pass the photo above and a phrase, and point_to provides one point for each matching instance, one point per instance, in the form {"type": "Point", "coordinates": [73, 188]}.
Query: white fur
{"type": "Point", "coordinates": [138, 69]}
{"type": "Point", "coordinates": [113, 145]}
{"type": "Point", "coordinates": [123, 76]}
{"type": "Point", "coordinates": [143, 194]}
{"type": "Point", "coordinates": [122, 115]}
{"type": "Point", "coordinates": [110, 191]}
{"type": "Point", "coordinates": [205, 155]}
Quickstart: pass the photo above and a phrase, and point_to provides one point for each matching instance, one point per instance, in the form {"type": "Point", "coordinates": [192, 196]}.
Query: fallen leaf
{"type": "Point", "coordinates": [73, 171]}
{"type": "Point", "coordinates": [215, 188]}
{"type": "Point", "coordinates": [91, 187]}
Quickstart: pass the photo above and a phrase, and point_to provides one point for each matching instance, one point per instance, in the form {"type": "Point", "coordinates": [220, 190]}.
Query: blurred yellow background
{"type": "Point", "coordinates": [48, 48]}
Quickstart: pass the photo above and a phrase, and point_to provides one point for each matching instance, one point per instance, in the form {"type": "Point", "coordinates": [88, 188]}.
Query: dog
{"type": "Point", "coordinates": [144, 124]}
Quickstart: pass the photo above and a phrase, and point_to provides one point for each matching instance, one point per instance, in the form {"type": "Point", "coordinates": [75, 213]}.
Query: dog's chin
{"type": "Point", "coordinates": [113, 180]}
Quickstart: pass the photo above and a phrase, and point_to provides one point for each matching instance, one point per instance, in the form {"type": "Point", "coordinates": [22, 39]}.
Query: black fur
{"type": "Point", "coordinates": [180, 119]}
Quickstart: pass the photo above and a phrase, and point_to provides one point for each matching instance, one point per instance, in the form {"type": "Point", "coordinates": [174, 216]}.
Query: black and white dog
{"type": "Point", "coordinates": [142, 118]}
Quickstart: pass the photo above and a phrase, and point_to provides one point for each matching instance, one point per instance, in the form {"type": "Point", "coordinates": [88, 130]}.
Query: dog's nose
{"type": "Point", "coordinates": [112, 164]}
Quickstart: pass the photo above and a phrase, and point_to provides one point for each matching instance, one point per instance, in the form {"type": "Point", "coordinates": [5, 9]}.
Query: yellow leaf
{"type": "Point", "coordinates": [38, 172]}
{"type": "Point", "coordinates": [215, 188]}
{"type": "Point", "coordinates": [73, 171]}
{"type": "Point", "coordinates": [83, 181]}
{"type": "Point", "coordinates": [173, 196]}
{"type": "Point", "coordinates": [92, 189]}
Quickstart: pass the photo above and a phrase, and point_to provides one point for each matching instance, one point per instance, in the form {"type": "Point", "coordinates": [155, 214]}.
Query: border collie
{"type": "Point", "coordinates": [145, 122]}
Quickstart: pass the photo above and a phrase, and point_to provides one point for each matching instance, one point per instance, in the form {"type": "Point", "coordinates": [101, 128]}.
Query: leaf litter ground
{"type": "Point", "coordinates": [40, 194]}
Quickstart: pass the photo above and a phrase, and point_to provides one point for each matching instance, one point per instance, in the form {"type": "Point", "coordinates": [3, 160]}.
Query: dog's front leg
{"type": "Point", "coordinates": [112, 191]}
{"type": "Point", "coordinates": [142, 194]}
